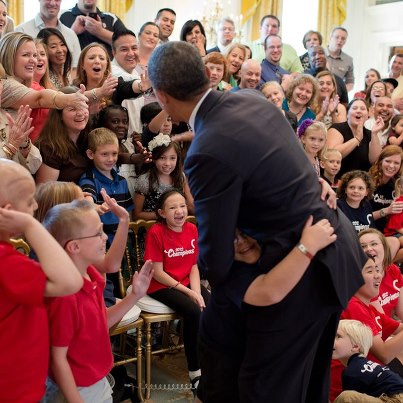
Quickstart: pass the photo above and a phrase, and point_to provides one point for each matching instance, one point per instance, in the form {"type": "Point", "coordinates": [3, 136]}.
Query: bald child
{"type": "Point", "coordinates": [24, 284]}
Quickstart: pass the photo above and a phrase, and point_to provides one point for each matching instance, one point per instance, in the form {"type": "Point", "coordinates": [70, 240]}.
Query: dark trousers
{"type": "Point", "coordinates": [190, 313]}
{"type": "Point", "coordinates": [287, 348]}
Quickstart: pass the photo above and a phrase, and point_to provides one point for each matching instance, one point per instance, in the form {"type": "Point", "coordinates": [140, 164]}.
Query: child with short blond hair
{"type": "Point", "coordinates": [330, 162]}
{"type": "Point", "coordinates": [24, 284]}
{"type": "Point", "coordinates": [363, 380]}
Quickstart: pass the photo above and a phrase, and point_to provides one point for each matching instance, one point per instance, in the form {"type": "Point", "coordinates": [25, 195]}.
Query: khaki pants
{"type": "Point", "coordinates": [351, 396]}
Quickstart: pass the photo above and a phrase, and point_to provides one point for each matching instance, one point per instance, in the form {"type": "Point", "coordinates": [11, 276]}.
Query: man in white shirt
{"type": "Point", "coordinates": [125, 55]}
{"type": "Point", "coordinates": [225, 35]}
{"type": "Point", "coordinates": [47, 18]}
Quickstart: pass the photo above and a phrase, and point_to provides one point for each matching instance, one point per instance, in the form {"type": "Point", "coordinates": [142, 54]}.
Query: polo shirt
{"type": "Point", "coordinates": [341, 65]}
{"type": "Point", "coordinates": [109, 21]}
{"type": "Point", "coordinates": [119, 71]}
{"type": "Point", "coordinates": [78, 322]}
{"type": "Point", "coordinates": [92, 181]}
{"type": "Point", "coordinates": [32, 28]}
{"type": "Point", "coordinates": [24, 337]}
{"type": "Point", "coordinates": [271, 72]}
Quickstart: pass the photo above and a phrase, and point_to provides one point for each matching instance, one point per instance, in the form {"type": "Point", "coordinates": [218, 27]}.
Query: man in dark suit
{"type": "Point", "coordinates": [246, 170]}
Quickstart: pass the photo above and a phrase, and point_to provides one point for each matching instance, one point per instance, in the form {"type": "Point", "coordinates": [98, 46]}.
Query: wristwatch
{"type": "Point", "coordinates": [302, 248]}
{"type": "Point", "coordinates": [382, 213]}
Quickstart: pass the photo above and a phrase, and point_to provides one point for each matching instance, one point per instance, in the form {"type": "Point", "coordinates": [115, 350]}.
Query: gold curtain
{"type": "Point", "coordinates": [118, 7]}
{"type": "Point", "coordinates": [331, 13]}
{"type": "Point", "coordinates": [15, 9]}
{"type": "Point", "coordinates": [255, 10]}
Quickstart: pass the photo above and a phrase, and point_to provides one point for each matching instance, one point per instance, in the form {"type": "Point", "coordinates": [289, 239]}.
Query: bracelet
{"type": "Point", "coordinates": [94, 95]}
{"type": "Point", "coordinates": [359, 141]}
{"type": "Point", "coordinates": [54, 100]}
{"type": "Point", "coordinates": [174, 286]}
{"type": "Point", "coordinates": [8, 152]}
{"type": "Point", "coordinates": [302, 248]}
{"type": "Point", "coordinates": [12, 147]}
{"type": "Point", "coordinates": [382, 212]}
{"type": "Point", "coordinates": [130, 158]}
{"type": "Point", "coordinates": [27, 144]}
{"type": "Point", "coordinates": [140, 87]}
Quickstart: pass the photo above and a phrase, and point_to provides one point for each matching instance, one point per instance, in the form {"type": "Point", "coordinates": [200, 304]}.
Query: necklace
{"type": "Point", "coordinates": [297, 113]}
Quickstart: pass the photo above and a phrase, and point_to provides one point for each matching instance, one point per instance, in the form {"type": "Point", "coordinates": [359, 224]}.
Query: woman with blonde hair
{"type": "Point", "coordinates": [235, 57]}
{"type": "Point", "coordinates": [328, 109]}
{"type": "Point", "coordinates": [301, 94]}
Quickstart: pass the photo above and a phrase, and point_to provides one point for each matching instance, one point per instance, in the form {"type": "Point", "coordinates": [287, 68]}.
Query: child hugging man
{"type": "Point", "coordinates": [81, 355]}
{"type": "Point", "coordinates": [363, 380]}
{"type": "Point", "coordinates": [24, 284]}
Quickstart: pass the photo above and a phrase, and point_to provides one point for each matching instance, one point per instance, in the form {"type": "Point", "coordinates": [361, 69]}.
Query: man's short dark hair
{"type": "Point", "coordinates": [273, 17]}
{"type": "Point", "coordinates": [177, 69]}
{"type": "Point", "coordinates": [122, 32]}
{"type": "Point", "coordinates": [270, 36]}
{"type": "Point", "coordinates": [164, 9]}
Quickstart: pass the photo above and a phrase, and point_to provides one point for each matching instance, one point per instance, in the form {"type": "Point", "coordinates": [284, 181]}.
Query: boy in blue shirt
{"type": "Point", "coordinates": [103, 150]}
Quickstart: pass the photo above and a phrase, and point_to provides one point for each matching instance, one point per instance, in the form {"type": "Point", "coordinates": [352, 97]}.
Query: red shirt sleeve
{"type": "Point", "coordinates": [21, 278]}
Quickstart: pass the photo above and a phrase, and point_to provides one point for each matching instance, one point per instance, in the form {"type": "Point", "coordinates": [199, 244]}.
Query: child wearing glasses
{"type": "Point", "coordinates": [81, 354]}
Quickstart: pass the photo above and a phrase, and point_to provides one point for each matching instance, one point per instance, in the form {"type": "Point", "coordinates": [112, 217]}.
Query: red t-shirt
{"type": "Point", "coordinates": [24, 332]}
{"type": "Point", "coordinates": [389, 290]}
{"type": "Point", "coordinates": [379, 323]}
{"type": "Point", "coordinates": [176, 250]}
{"type": "Point", "coordinates": [395, 222]}
{"type": "Point", "coordinates": [39, 115]}
{"type": "Point", "coordinates": [78, 322]}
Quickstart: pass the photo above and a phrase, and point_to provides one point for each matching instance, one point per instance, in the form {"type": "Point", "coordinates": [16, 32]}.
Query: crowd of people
{"type": "Point", "coordinates": [96, 131]}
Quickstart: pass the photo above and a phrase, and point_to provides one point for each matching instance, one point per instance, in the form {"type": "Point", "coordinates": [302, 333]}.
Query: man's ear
{"type": "Point", "coordinates": [208, 73]}
{"type": "Point", "coordinates": [90, 154]}
{"type": "Point", "coordinates": [162, 97]}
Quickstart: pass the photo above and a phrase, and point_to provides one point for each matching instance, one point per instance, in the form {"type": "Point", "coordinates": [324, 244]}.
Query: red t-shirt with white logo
{"type": "Point", "coordinates": [177, 251]}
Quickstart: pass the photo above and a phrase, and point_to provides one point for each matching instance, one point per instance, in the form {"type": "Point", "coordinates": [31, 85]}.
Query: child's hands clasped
{"type": "Point", "coordinates": [141, 280]}
{"type": "Point", "coordinates": [317, 236]}
{"type": "Point", "coordinates": [196, 298]}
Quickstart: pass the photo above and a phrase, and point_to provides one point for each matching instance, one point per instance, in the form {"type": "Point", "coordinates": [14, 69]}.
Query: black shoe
{"type": "Point", "coordinates": [195, 383]}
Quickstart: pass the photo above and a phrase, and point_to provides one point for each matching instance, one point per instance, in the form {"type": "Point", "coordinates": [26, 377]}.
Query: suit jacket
{"type": "Point", "coordinates": [215, 49]}
{"type": "Point", "coordinates": [246, 169]}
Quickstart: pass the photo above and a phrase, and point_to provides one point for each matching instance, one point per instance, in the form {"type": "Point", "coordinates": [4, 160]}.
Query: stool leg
{"type": "Point", "coordinates": [139, 365]}
{"type": "Point", "coordinates": [148, 359]}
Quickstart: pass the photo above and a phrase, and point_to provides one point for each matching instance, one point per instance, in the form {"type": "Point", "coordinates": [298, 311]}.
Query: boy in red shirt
{"type": "Point", "coordinates": [24, 283]}
{"type": "Point", "coordinates": [81, 355]}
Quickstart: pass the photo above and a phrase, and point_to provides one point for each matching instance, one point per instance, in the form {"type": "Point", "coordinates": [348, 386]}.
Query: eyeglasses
{"type": "Point", "coordinates": [99, 234]}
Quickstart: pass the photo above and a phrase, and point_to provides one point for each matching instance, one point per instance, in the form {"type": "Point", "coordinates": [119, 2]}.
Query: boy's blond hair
{"type": "Point", "coordinates": [359, 334]}
{"type": "Point", "coordinates": [330, 151]}
{"type": "Point", "coordinates": [101, 136]}
{"type": "Point", "coordinates": [65, 221]}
